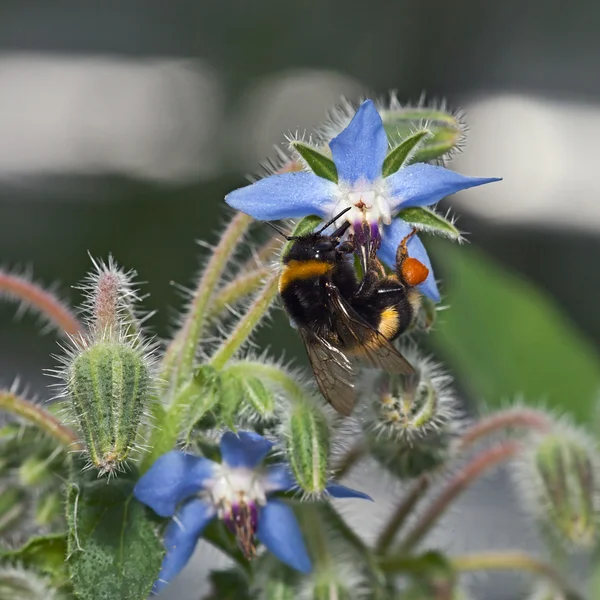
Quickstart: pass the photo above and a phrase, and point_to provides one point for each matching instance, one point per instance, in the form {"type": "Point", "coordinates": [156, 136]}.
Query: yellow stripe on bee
{"type": "Point", "coordinates": [302, 269]}
{"type": "Point", "coordinates": [389, 323]}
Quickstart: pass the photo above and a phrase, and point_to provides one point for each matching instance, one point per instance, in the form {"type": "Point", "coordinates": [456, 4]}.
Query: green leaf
{"type": "Point", "coordinates": [403, 152]}
{"type": "Point", "coordinates": [114, 551]}
{"type": "Point", "coordinates": [44, 554]}
{"type": "Point", "coordinates": [320, 164]}
{"type": "Point", "coordinates": [503, 337]}
{"type": "Point", "coordinates": [429, 221]}
{"type": "Point", "coordinates": [304, 226]}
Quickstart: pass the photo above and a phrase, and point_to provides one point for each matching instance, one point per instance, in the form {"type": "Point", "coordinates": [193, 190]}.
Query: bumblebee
{"type": "Point", "coordinates": [343, 318]}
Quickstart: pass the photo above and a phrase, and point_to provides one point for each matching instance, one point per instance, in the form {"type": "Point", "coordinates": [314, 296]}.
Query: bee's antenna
{"type": "Point", "coordinates": [280, 231]}
{"type": "Point", "coordinates": [333, 220]}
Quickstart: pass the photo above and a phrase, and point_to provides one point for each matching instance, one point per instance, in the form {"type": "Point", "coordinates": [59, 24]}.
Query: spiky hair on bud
{"type": "Point", "coordinates": [108, 374]}
{"type": "Point", "coordinates": [558, 477]}
{"type": "Point", "coordinates": [111, 299]}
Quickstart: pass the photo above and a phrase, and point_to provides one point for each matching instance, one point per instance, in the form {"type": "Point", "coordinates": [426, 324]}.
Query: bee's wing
{"type": "Point", "coordinates": [364, 341]}
{"type": "Point", "coordinates": [333, 371]}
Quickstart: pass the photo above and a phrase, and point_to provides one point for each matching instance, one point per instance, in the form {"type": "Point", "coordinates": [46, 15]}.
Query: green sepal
{"type": "Point", "coordinates": [44, 554]}
{"type": "Point", "coordinates": [304, 226]}
{"type": "Point", "coordinates": [429, 221]}
{"type": "Point", "coordinates": [114, 549]}
{"type": "Point", "coordinates": [320, 164]}
{"type": "Point", "coordinates": [259, 397]}
{"type": "Point", "coordinates": [200, 395]}
{"type": "Point", "coordinates": [447, 131]}
{"type": "Point", "coordinates": [404, 152]}
{"type": "Point", "coordinates": [230, 399]}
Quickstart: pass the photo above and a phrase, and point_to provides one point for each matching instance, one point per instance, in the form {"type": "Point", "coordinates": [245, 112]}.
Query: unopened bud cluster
{"type": "Point", "coordinates": [108, 371]}
{"type": "Point", "coordinates": [559, 475]}
{"type": "Point", "coordinates": [412, 420]}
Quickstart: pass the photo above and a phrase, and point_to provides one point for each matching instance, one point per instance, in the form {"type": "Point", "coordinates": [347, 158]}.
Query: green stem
{"type": "Point", "coordinates": [275, 374]}
{"type": "Point", "coordinates": [246, 324]}
{"type": "Point", "coordinates": [527, 418]}
{"type": "Point", "coordinates": [181, 353]}
{"type": "Point", "coordinates": [465, 477]}
{"type": "Point", "coordinates": [39, 417]}
{"type": "Point", "coordinates": [235, 290]}
{"type": "Point", "coordinates": [508, 561]}
{"type": "Point", "coordinates": [401, 513]}
{"type": "Point", "coordinates": [165, 434]}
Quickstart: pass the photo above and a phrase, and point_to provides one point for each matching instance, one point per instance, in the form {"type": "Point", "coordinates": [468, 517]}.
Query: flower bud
{"type": "Point", "coordinates": [20, 584]}
{"type": "Point", "coordinates": [411, 422]}
{"type": "Point", "coordinates": [108, 385]}
{"type": "Point", "coordinates": [308, 445]}
{"type": "Point", "coordinates": [559, 477]}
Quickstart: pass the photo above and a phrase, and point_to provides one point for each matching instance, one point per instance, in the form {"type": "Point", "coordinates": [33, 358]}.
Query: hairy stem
{"type": "Point", "coordinates": [181, 353]}
{"type": "Point", "coordinates": [264, 253]}
{"type": "Point", "coordinates": [401, 513]}
{"type": "Point", "coordinates": [458, 484]}
{"type": "Point", "coordinates": [527, 418]}
{"type": "Point", "coordinates": [20, 288]}
{"type": "Point", "coordinates": [36, 415]}
{"type": "Point", "coordinates": [274, 374]}
{"type": "Point", "coordinates": [349, 460]}
{"type": "Point", "coordinates": [507, 561]}
{"type": "Point", "coordinates": [246, 324]}
{"type": "Point", "coordinates": [234, 291]}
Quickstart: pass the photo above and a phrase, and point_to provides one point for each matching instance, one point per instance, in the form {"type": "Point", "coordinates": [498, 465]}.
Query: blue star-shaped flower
{"type": "Point", "coordinates": [358, 153]}
{"type": "Point", "coordinates": [194, 490]}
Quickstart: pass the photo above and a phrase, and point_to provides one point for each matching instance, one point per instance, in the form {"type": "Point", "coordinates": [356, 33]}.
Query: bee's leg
{"type": "Point", "coordinates": [402, 252]}
{"type": "Point", "coordinates": [368, 284]}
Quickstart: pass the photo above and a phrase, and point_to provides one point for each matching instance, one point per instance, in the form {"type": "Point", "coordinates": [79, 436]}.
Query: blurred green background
{"type": "Point", "coordinates": [124, 124]}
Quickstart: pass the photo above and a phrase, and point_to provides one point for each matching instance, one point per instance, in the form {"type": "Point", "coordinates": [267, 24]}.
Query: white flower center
{"type": "Point", "coordinates": [232, 487]}
{"type": "Point", "coordinates": [368, 201]}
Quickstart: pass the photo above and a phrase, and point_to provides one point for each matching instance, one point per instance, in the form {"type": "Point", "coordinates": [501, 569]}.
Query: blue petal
{"type": "Point", "coordinates": [244, 449]}
{"type": "Point", "coordinates": [278, 478]}
{"type": "Point", "coordinates": [174, 477]}
{"type": "Point", "coordinates": [359, 151]}
{"type": "Point", "coordinates": [421, 185]}
{"type": "Point", "coordinates": [337, 490]}
{"type": "Point", "coordinates": [285, 196]}
{"type": "Point", "coordinates": [181, 538]}
{"type": "Point", "coordinates": [279, 531]}
{"type": "Point", "coordinates": [390, 240]}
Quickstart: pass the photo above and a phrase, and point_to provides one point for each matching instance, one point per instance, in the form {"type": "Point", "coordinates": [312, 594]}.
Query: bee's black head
{"type": "Point", "coordinates": [314, 247]}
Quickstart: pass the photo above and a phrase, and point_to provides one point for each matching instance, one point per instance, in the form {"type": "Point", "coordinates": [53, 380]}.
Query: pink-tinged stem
{"type": "Point", "coordinates": [459, 483]}
{"type": "Point", "coordinates": [45, 302]}
{"type": "Point", "coordinates": [527, 418]}
{"type": "Point", "coordinates": [36, 415]}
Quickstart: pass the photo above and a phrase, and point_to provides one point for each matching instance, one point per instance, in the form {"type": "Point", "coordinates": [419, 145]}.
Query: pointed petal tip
{"type": "Point", "coordinates": [244, 448]}
{"type": "Point", "coordinates": [337, 490]}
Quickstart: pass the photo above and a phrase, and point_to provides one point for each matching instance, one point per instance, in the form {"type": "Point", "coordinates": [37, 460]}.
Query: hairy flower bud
{"type": "Point", "coordinates": [308, 445]}
{"type": "Point", "coordinates": [559, 475]}
{"type": "Point", "coordinates": [108, 386]}
{"type": "Point", "coordinates": [411, 422]}
{"type": "Point", "coordinates": [108, 370]}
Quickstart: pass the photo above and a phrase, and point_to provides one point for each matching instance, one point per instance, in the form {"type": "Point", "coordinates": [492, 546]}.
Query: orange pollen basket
{"type": "Point", "coordinates": [414, 272]}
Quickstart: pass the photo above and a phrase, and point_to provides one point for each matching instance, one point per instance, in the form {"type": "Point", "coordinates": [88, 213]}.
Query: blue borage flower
{"type": "Point", "coordinates": [358, 153]}
{"type": "Point", "coordinates": [194, 490]}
